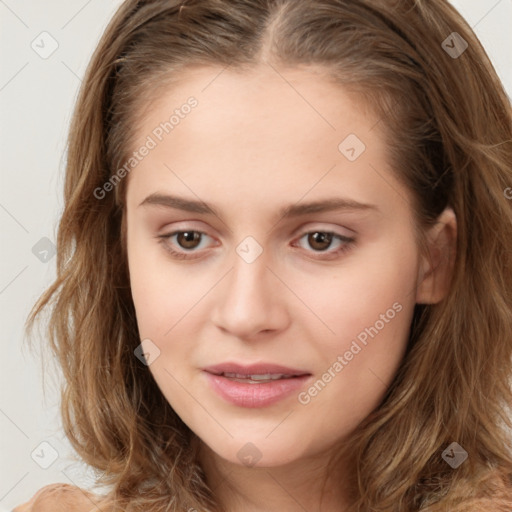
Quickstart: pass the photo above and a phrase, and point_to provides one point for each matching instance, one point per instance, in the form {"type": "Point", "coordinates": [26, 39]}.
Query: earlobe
{"type": "Point", "coordinates": [436, 267]}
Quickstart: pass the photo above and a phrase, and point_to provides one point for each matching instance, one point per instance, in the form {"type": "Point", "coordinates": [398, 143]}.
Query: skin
{"type": "Point", "coordinates": [255, 144]}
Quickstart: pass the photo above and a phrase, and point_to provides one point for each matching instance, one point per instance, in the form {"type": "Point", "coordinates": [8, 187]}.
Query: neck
{"type": "Point", "coordinates": [298, 486]}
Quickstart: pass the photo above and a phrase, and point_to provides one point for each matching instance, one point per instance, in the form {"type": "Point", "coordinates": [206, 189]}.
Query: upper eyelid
{"type": "Point", "coordinates": [300, 230]}
{"type": "Point", "coordinates": [296, 232]}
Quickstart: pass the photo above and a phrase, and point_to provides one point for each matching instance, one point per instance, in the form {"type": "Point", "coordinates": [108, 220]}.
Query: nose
{"type": "Point", "coordinates": [250, 300]}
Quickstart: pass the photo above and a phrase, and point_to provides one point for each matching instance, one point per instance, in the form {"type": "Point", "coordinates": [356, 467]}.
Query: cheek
{"type": "Point", "coordinates": [369, 306]}
{"type": "Point", "coordinates": [353, 296]}
{"type": "Point", "coordinates": [162, 291]}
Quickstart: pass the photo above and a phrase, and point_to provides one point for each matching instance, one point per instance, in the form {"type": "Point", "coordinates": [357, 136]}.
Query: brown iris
{"type": "Point", "coordinates": [320, 241]}
{"type": "Point", "coordinates": [188, 239]}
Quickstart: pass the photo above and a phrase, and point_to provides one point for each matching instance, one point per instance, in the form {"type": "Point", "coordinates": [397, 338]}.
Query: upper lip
{"type": "Point", "coordinates": [254, 369]}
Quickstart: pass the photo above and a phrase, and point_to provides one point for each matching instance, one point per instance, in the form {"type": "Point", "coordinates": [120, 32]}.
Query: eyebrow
{"type": "Point", "coordinates": [294, 210]}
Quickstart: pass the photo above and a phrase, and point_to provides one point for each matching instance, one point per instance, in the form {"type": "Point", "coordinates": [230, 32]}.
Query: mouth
{"type": "Point", "coordinates": [255, 373]}
{"type": "Point", "coordinates": [256, 378]}
{"type": "Point", "coordinates": [255, 385]}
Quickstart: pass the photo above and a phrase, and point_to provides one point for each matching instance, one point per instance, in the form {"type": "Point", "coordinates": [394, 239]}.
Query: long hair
{"type": "Point", "coordinates": [447, 122]}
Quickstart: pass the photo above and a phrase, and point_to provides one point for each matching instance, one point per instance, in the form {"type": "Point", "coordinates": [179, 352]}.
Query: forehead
{"type": "Point", "coordinates": [290, 102]}
{"type": "Point", "coordinates": [261, 133]}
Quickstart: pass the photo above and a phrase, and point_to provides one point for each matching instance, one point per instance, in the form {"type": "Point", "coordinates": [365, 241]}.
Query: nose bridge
{"type": "Point", "coordinates": [248, 301]}
{"type": "Point", "coordinates": [249, 281]}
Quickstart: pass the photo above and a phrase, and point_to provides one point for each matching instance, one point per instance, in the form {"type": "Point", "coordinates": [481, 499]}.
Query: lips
{"type": "Point", "coordinates": [255, 385]}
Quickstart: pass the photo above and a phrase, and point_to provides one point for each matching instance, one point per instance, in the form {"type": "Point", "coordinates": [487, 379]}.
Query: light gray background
{"type": "Point", "coordinates": [36, 100]}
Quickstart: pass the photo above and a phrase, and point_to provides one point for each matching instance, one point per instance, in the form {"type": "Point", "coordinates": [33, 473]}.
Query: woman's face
{"type": "Point", "coordinates": [249, 244]}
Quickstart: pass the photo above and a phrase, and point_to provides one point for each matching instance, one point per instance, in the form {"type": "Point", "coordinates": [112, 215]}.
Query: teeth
{"type": "Point", "coordinates": [260, 377]}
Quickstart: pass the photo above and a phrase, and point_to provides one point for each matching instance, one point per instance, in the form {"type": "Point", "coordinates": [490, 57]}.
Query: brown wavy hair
{"type": "Point", "coordinates": [448, 124]}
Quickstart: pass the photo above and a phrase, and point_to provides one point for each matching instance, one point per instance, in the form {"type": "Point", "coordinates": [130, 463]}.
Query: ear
{"type": "Point", "coordinates": [436, 267]}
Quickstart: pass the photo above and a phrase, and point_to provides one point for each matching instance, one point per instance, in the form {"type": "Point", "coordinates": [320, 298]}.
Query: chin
{"type": "Point", "coordinates": [259, 452]}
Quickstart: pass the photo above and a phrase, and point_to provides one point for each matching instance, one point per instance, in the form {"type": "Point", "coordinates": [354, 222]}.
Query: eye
{"type": "Point", "coordinates": [186, 241]}
{"type": "Point", "coordinates": [322, 241]}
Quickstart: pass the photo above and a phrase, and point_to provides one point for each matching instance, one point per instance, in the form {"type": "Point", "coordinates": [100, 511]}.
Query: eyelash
{"type": "Point", "coordinates": [347, 244]}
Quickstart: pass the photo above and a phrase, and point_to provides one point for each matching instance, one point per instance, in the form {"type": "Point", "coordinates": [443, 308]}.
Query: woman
{"type": "Point", "coordinates": [284, 264]}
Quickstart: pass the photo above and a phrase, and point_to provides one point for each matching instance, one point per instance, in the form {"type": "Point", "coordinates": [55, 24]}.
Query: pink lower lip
{"type": "Point", "coordinates": [255, 395]}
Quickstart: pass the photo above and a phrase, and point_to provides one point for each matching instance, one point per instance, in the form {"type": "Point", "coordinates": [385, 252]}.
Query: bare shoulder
{"type": "Point", "coordinates": [60, 498]}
